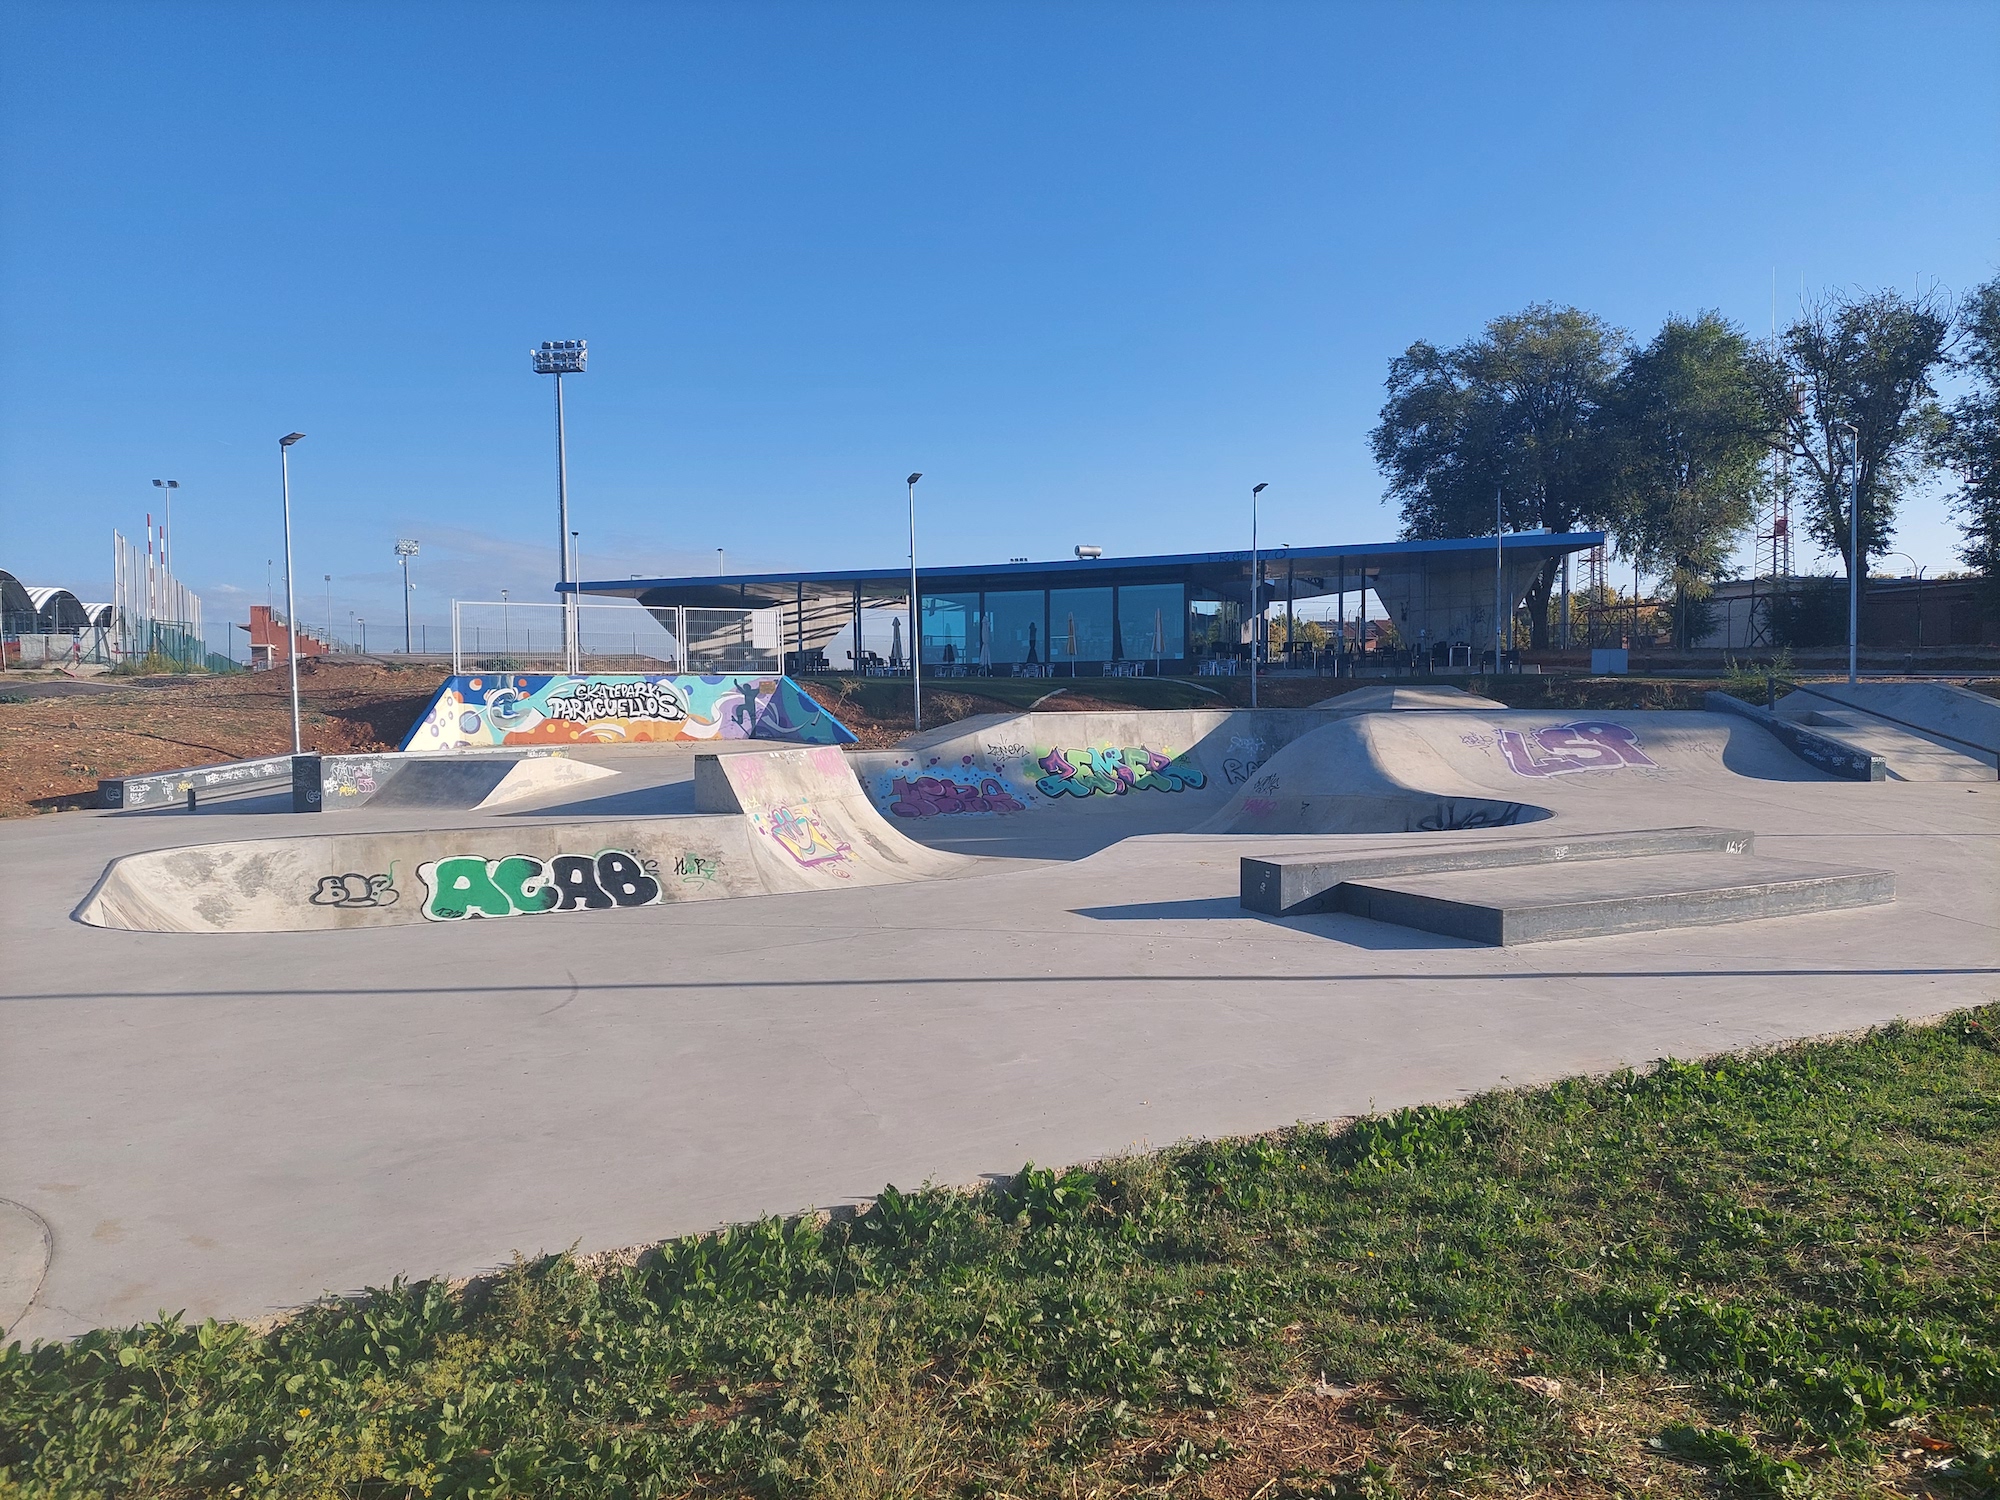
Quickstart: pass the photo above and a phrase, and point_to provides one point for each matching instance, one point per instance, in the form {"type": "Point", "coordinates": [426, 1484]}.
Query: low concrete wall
{"type": "Point", "coordinates": [270, 773]}
{"type": "Point", "coordinates": [1829, 755]}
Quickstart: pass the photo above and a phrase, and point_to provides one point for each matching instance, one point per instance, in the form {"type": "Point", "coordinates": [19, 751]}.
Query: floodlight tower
{"type": "Point", "coordinates": [560, 358]}
{"type": "Point", "coordinates": [167, 554]}
{"type": "Point", "coordinates": [405, 550]}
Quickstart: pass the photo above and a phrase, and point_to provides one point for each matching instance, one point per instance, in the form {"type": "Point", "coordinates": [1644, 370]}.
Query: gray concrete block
{"type": "Point", "coordinates": [1639, 895]}
{"type": "Point", "coordinates": [1292, 885]}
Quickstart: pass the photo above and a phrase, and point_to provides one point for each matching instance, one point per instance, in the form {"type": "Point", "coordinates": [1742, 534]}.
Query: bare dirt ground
{"type": "Point", "coordinates": [53, 750]}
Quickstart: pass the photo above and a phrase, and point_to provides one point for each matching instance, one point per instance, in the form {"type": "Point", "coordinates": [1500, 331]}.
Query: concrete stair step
{"type": "Point", "coordinates": [1642, 894]}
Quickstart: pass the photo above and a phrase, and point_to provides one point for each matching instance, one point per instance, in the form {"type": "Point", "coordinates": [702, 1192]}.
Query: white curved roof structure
{"type": "Point", "coordinates": [57, 610]}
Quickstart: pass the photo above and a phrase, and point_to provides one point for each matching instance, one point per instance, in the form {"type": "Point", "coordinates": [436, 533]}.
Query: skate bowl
{"type": "Point", "coordinates": [1062, 785]}
{"type": "Point", "coordinates": [803, 825]}
{"type": "Point", "coordinates": [1442, 771]}
{"type": "Point", "coordinates": [1379, 760]}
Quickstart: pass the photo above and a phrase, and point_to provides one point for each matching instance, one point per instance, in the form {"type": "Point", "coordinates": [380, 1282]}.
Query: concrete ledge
{"type": "Point", "coordinates": [1828, 754]}
{"type": "Point", "coordinates": [1293, 885]}
{"type": "Point", "coordinates": [166, 788]}
{"type": "Point", "coordinates": [1684, 893]}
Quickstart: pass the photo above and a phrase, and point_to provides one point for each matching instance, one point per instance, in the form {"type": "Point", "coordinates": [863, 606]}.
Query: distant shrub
{"type": "Point", "coordinates": [1812, 612]}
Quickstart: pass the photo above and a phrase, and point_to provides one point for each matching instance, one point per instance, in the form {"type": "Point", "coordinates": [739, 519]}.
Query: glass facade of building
{"type": "Point", "coordinates": [1012, 628]}
{"type": "Point", "coordinates": [951, 625]}
{"type": "Point", "coordinates": [1080, 623]}
{"type": "Point", "coordinates": [1016, 622]}
{"type": "Point", "coordinates": [1152, 622]}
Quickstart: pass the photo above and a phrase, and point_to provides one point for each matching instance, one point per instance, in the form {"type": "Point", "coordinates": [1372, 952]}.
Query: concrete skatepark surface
{"type": "Point", "coordinates": [234, 1123]}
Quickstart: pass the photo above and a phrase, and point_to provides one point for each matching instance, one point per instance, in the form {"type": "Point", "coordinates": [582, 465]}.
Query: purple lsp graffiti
{"type": "Point", "coordinates": [1588, 745]}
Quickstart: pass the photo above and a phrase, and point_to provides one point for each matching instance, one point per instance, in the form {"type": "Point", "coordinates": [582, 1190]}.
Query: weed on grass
{"type": "Point", "coordinates": [1771, 1275]}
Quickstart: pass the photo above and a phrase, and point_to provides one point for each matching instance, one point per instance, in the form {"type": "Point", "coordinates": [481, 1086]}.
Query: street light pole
{"type": "Point", "coordinates": [1255, 588]}
{"type": "Point", "coordinates": [916, 652]}
{"type": "Point", "coordinates": [575, 609]}
{"type": "Point", "coordinates": [405, 550]}
{"type": "Point", "coordinates": [291, 612]}
{"type": "Point", "coordinates": [329, 611]}
{"type": "Point", "coordinates": [1853, 552]}
{"type": "Point", "coordinates": [1499, 579]}
{"type": "Point", "coordinates": [560, 358]}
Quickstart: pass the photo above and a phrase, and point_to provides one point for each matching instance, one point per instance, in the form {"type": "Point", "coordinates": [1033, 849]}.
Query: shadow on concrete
{"type": "Point", "coordinates": [1751, 751]}
{"type": "Point", "coordinates": [1339, 927]}
{"type": "Point", "coordinates": [661, 799]}
{"type": "Point", "coordinates": [1206, 908]}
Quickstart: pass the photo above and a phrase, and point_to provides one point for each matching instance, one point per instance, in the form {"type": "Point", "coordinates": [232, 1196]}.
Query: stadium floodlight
{"type": "Point", "coordinates": [291, 609]}
{"type": "Point", "coordinates": [562, 357]}
{"type": "Point", "coordinates": [405, 550]}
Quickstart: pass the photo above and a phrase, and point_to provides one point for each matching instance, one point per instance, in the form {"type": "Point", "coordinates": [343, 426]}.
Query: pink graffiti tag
{"type": "Point", "coordinates": [934, 796]}
{"type": "Point", "coordinates": [1564, 749]}
{"type": "Point", "coordinates": [801, 834]}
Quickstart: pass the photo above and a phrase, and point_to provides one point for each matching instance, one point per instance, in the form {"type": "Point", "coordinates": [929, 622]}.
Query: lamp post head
{"type": "Point", "coordinates": [1259, 489]}
{"type": "Point", "coordinates": [562, 357]}
{"type": "Point", "coordinates": [913, 479]}
{"type": "Point", "coordinates": [289, 438]}
{"type": "Point", "coordinates": [406, 548]}
{"type": "Point", "coordinates": [166, 484]}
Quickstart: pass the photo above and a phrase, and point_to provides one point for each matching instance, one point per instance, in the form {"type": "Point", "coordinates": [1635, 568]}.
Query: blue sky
{"type": "Point", "coordinates": [1094, 269]}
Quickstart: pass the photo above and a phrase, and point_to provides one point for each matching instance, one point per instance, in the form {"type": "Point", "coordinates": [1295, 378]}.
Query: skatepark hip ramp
{"type": "Point", "coordinates": [802, 824]}
{"type": "Point", "coordinates": [1063, 785]}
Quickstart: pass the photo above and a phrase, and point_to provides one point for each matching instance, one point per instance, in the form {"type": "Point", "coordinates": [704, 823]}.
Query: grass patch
{"type": "Point", "coordinates": [1771, 1275]}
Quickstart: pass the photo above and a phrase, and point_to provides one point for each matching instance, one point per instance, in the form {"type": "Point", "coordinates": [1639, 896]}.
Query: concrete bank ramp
{"type": "Point", "coordinates": [1386, 697]}
{"type": "Point", "coordinates": [1922, 731]}
{"type": "Point", "coordinates": [475, 782]}
{"type": "Point", "coordinates": [1360, 776]}
{"type": "Point", "coordinates": [1446, 770]}
{"type": "Point", "coordinates": [810, 824]}
{"type": "Point", "coordinates": [804, 825]}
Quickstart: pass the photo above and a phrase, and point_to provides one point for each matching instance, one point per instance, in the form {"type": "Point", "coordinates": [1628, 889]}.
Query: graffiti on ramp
{"type": "Point", "coordinates": [1112, 772]}
{"type": "Point", "coordinates": [1566, 749]}
{"type": "Point", "coordinates": [800, 831]}
{"type": "Point", "coordinates": [464, 886]}
{"type": "Point", "coordinates": [485, 709]}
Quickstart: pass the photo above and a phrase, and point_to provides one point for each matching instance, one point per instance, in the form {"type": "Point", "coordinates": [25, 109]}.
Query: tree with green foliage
{"type": "Point", "coordinates": [1686, 428]}
{"type": "Point", "coordinates": [1968, 444]}
{"type": "Point", "coordinates": [1867, 360]}
{"type": "Point", "coordinates": [1508, 417]}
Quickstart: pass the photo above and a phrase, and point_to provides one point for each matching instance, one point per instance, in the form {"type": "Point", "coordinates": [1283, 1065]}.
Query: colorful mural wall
{"type": "Point", "coordinates": [1016, 778]}
{"type": "Point", "coordinates": [484, 709]}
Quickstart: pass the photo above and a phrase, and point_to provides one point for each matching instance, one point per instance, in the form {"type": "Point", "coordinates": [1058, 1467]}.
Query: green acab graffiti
{"type": "Point", "coordinates": [468, 885]}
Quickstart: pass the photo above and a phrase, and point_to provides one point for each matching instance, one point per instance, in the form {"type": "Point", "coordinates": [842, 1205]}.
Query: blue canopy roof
{"type": "Point", "coordinates": [1306, 572]}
